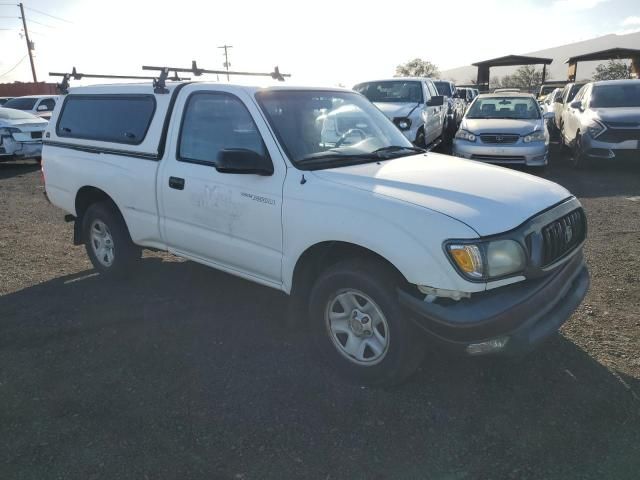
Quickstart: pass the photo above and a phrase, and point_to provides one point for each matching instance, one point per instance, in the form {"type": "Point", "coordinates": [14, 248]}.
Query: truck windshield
{"type": "Point", "coordinates": [400, 91]}
{"type": "Point", "coordinates": [326, 129]}
{"type": "Point", "coordinates": [614, 96]}
{"type": "Point", "coordinates": [523, 108]}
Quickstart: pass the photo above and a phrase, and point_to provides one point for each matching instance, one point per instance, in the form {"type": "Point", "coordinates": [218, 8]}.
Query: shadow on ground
{"type": "Point", "coordinates": [185, 372]}
{"type": "Point", "coordinates": [15, 168]}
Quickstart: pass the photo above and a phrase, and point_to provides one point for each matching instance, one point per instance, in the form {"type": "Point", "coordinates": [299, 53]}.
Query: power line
{"type": "Point", "coordinates": [14, 67]}
{"type": "Point", "coordinates": [40, 23]}
{"type": "Point", "coordinates": [47, 14]}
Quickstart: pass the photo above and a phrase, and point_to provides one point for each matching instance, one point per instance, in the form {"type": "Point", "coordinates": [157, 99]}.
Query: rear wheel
{"type": "Point", "coordinates": [359, 326]}
{"type": "Point", "coordinates": [107, 240]}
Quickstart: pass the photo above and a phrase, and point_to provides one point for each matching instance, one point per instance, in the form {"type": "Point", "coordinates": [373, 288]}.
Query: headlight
{"type": "Point", "coordinates": [487, 260]}
{"type": "Point", "coordinates": [464, 135]}
{"type": "Point", "coordinates": [402, 123]}
{"type": "Point", "coordinates": [595, 128]}
{"type": "Point", "coordinates": [535, 137]}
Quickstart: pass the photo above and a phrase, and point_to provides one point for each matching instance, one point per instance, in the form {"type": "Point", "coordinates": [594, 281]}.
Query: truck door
{"type": "Point", "coordinates": [231, 221]}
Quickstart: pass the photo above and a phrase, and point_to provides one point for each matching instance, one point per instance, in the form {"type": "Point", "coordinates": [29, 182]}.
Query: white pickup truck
{"type": "Point", "coordinates": [374, 239]}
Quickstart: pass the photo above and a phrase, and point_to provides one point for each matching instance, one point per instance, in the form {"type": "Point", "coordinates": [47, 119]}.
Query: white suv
{"type": "Point", "coordinates": [373, 239]}
{"type": "Point", "coordinates": [39, 105]}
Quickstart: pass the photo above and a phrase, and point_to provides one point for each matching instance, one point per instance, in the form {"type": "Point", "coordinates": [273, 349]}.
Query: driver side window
{"type": "Point", "coordinates": [215, 121]}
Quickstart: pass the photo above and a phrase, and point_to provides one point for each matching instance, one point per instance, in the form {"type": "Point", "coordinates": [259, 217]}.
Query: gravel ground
{"type": "Point", "coordinates": [185, 372]}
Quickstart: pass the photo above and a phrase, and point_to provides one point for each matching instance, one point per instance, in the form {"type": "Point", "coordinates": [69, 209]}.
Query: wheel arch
{"type": "Point", "coordinates": [85, 197]}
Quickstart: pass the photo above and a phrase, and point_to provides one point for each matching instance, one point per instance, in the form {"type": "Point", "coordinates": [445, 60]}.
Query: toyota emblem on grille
{"type": "Point", "coordinates": [568, 233]}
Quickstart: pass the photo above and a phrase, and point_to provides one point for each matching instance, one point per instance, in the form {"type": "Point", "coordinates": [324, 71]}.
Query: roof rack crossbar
{"type": "Point", "coordinates": [196, 71]}
{"type": "Point", "coordinates": [64, 85]}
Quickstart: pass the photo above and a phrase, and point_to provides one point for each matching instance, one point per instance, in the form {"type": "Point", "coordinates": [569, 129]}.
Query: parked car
{"type": "Point", "coordinates": [465, 94]}
{"type": "Point", "coordinates": [4, 100]}
{"type": "Point", "coordinates": [20, 134]}
{"type": "Point", "coordinates": [375, 241]}
{"type": "Point", "coordinates": [455, 105]}
{"type": "Point", "coordinates": [547, 104]}
{"type": "Point", "coordinates": [568, 92]}
{"type": "Point", "coordinates": [39, 105]}
{"type": "Point", "coordinates": [602, 123]}
{"type": "Point", "coordinates": [504, 128]}
{"type": "Point", "coordinates": [413, 104]}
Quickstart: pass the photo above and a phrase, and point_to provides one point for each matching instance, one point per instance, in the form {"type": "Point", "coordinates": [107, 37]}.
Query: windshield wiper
{"type": "Point", "coordinates": [395, 148]}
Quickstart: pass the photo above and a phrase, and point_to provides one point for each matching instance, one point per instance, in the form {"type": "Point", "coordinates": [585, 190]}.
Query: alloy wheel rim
{"type": "Point", "coordinates": [357, 327]}
{"type": "Point", "coordinates": [102, 243]}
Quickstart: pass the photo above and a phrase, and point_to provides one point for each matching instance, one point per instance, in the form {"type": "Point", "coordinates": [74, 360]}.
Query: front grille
{"type": "Point", "coordinates": [499, 158]}
{"type": "Point", "coordinates": [36, 134]}
{"type": "Point", "coordinates": [562, 236]}
{"type": "Point", "coordinates": [499, 138]}
{"type": "Point", "coordinates": [619, 135]}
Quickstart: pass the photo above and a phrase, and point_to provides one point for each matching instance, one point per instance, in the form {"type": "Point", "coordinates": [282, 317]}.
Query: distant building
{"type": "Point", "coordinates": [19, 89]}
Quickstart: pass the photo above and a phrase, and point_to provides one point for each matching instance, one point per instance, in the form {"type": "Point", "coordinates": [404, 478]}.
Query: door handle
{"type": "Point", "coordinates": [177, 183]}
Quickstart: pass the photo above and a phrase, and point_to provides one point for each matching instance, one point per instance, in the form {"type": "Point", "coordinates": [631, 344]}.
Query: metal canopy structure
{"type": "Point", "coordinates": [508, 61]}
{"type": "Point", "coordinates": [609, 54]}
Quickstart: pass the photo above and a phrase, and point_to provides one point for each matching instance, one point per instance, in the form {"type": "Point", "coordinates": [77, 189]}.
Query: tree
{"type": "Point", "coordinates": [612, 70]}
{"type": "Point", "coordinates": [417, 68]}
{"type": "Point", "coordinates": [526, 77]}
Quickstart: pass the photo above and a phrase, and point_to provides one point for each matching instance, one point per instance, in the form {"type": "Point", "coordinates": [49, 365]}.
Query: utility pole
{"type": "Point", "coordinates": [226, 58]}
{"type": "Point", "coordinates": [29, 45]}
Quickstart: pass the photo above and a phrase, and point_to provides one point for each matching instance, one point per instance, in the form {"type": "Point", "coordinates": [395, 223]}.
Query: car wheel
{"type": "Point", "coordinates": [107, 240]}
{"type": "Point", "coordinates": [420, 139]}
{"type": "Point", "coordinates": [577, 158]}
{"type": "Point", "coordinates": [359, 326]}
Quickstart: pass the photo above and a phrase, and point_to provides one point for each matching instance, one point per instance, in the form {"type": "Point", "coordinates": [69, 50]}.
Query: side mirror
{"type": "Point", "coordinates": [436, 101]}
{"type": "Point", "coordinates": [577, 104]}
{"type": "Point", "coordinates": [549, 115]}
{"type": "Point", "coordinates": [42, 108]}
{"type": "Point", "coordinates": [243, 161]}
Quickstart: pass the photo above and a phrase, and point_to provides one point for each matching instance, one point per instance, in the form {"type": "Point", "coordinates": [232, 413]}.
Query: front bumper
{"type": "Point", "coordinates": [535, 154]}
{"type": "Point", "coordinates": [598, 150]}
{"type": "Point", "coordinates": [526, 313]}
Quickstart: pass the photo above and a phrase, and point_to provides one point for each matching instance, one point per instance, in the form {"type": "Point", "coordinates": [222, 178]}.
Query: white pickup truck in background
{"type": "Point", "coordinates": [374, 239]}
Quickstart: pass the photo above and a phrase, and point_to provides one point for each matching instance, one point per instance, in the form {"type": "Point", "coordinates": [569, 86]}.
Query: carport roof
{"type": "Point", "coordinates": [511, 60]}
{"type": "Point", "coordinates": [605, 55]}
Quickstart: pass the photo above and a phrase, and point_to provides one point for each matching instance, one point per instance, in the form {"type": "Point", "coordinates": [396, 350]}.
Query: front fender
{"type": "Point", "coordinates": [408, 236]}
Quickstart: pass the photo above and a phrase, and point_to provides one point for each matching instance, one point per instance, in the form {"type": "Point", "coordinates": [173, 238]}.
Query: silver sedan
{"type": "Point", "coordinates": [504, 128]}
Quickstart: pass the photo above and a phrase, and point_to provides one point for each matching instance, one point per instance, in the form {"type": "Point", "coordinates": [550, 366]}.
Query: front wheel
{"type": "Point", "coordinates": [359, 326]}
{"type": "Point", "coordinates": [578, 158]}
{"type": "Point", "coordinates": [107, 240]}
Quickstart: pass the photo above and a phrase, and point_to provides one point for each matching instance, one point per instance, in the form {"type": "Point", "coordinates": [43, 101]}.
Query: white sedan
{"type": "Point", "coordinates": [20, 134]}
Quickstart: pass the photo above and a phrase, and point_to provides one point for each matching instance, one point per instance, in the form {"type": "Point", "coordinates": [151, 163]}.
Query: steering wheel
{"type": "Point", "coordinates": [348, 133]}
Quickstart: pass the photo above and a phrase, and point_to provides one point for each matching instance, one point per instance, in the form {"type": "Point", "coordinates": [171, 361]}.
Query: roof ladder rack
{"type": "Point", "coordinates": [196, 71]}
{"type": "Point", "coordinates": [63, 86]}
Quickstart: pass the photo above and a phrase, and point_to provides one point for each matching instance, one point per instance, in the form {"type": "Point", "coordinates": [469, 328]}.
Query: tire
{"type": "Point", "coordinates": [107, 240]}
{"type": "Point", "coordinates": [420, 139]}
{"type": "Point", "coordinates": [385, 346]}
{"type": "Point", "coordinates": [577, 158]}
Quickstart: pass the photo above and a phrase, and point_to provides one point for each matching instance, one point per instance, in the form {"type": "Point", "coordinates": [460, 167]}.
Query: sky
{"type": "Point", "coordinates": [328, 42]}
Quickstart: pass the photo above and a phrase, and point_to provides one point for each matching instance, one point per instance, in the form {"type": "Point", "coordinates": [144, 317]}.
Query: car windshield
{"type": "Point", "coordinates": [325, 129]}
{"type": "Point", "coordinates": [21, 103]}
{"type": "Point", "coordinates": [614, 96]}
{"type": "Point", "coordinates": [443, 88]}
{"type": "Point", "coordinates": [504, 107]}
{"type": "Point", "coordinates": [11, 114]}
{"type": "Point", "coordinates": [401, 91]}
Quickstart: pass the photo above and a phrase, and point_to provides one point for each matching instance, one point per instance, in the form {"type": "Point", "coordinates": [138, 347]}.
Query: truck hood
{"type": "Point", "coordinates": [619, 117]}
{"type": "Point", "coordinates": [500, 125]}
{"type": "Point", "coordinates": [393, 110]}
{"type": "Point", "coordinates": [488, 198]}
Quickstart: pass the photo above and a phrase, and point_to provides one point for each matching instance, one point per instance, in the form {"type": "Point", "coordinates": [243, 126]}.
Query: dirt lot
{"type": "Point", "coordinates": [184, 372]}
